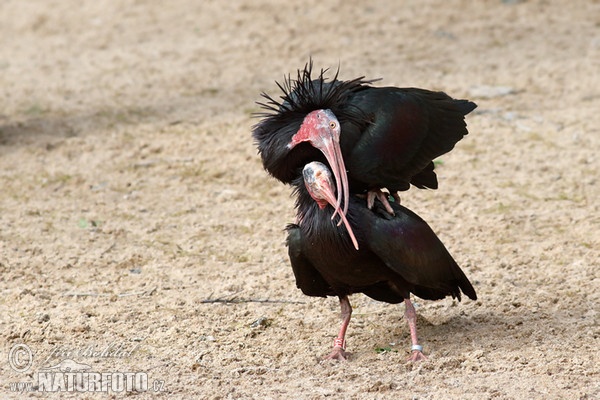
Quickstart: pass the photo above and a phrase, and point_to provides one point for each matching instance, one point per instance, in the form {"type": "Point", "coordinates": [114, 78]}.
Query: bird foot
{"type": "Point", "coordinates": [383, 198]}
{"type": "Point", "coordinates": [338, 354]}
{"type": "Point", "coordinates": [416, 356]}
{"type": "Point", "coordinates": [339, 350]}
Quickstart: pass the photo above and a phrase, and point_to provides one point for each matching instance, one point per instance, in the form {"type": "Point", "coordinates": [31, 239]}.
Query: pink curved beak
{"type": "Point", "coordinates": [317, 179]}
{"type": "Point", "coordinates": [333, 154]}
{"type": "Point", "coordinates": [317, 130]}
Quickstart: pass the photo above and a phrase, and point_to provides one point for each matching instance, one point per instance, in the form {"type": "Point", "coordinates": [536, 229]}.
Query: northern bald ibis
{"type": "Point", "coordinates": [371, 137]}
{"type": "Point", "coordinates": [398, 255]}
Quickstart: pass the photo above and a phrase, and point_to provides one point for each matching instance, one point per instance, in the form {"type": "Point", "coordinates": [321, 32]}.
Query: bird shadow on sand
{"type": "Point", "coordinates": [491, 330]}
{"type": "Point", "coordinates": [469, 331]}
{"type": "Point", "coordinates": [49, 129]}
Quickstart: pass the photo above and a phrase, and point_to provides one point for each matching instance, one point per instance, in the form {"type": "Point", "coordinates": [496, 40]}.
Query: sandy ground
{"type": "Point", "coordinates": [139, 233]}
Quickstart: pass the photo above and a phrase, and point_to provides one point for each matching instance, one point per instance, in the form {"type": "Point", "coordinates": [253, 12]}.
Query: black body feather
{"type": "Point", "coordinates": [389, 136]}
{"type": "Point", "coordinates": [397, 254]}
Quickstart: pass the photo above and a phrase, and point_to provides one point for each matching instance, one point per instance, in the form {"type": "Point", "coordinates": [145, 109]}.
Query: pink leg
{"type": "Point", "coordinates": [411, 317]}
{"type": "Point", "coordinates": [339, 343]}
{"type": "Point", "coordinates": [383, 198]}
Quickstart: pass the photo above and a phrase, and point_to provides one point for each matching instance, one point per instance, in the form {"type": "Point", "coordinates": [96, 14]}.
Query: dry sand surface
{"type": "Point", "coordinates": [139, 232]}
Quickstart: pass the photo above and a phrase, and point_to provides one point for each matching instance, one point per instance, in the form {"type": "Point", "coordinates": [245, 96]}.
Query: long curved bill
{"type": "Point", "coordinates": [319, 186]}
{"type": "Point", "coordinates": [321, 129]}
{"type": "Point", "coordinates": [333, 154]}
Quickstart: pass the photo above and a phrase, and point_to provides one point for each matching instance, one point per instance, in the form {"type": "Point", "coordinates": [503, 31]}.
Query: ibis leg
{"type": "Point", "coordinates": [339, 343]}
{"type": "Point", "coordinates": [411, 317]}
{"type": "Point", "coordinates": [383, 198]}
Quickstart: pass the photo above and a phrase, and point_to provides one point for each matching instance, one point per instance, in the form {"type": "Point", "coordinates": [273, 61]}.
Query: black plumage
{"type": "Point", "coordinates": [398, 255]}
{"type": "Point", "coordinates": [388, 136]}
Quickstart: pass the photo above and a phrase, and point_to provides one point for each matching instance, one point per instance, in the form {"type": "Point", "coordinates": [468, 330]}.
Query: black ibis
{"type": "Point", "coordinates": [371, 137]}
{"type": "Point", "coordinates": [398, 254]}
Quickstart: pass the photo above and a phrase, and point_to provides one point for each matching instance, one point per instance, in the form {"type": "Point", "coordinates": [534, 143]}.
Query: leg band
{"type": "Point", "coordinates": [416, 347]}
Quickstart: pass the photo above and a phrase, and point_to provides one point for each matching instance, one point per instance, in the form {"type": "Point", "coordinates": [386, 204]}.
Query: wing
{"type": "Point", "coordinates": [308, 279]}
{"type": "Point", "coordinates": [408, 246]}
{"type": "Point", "coordinates": [408, 129]}
{"type": "Point", "coordinates": [426, 178]}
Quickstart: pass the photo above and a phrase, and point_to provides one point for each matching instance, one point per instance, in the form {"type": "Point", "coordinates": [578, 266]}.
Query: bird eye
{"type": "Point", "coordinates": [332, 125]}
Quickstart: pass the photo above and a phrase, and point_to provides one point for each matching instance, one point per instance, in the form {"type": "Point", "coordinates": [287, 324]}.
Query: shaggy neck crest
{"type": "Point", "coordinates": [305, 93]}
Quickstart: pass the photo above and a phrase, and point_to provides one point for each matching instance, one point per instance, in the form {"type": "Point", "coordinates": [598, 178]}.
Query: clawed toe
{"type": "Point", "coordinates": [383, 198]}
{"type": "Point", "coordinates": [338, 354]}
{"type": "Point", "coordinates": [416, 356]}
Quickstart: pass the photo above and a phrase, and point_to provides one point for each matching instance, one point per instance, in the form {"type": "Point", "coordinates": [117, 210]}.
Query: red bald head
{"type": "Point", "coordinates": [321, 129]}
{"type": "Point", "coordinates": [318, 182]}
